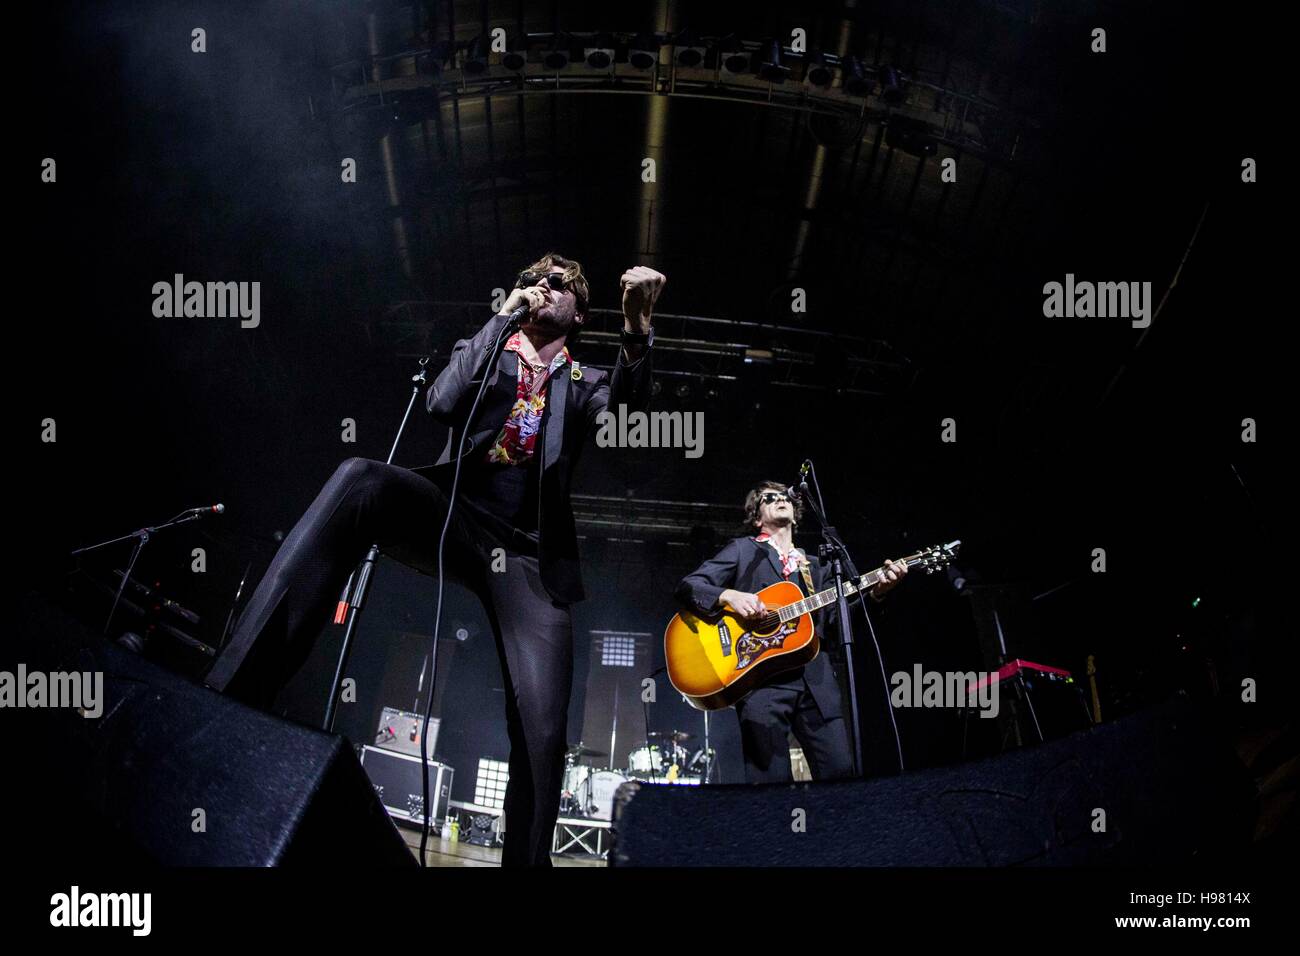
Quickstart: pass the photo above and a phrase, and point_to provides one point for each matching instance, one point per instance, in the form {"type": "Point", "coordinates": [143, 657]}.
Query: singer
{"type": "Point", "coordinates": [806, 699]}
{"type": "Point", "coordinates": [512, 499]}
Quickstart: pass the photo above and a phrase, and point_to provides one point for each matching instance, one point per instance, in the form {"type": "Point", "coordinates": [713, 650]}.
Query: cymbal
{"type": "Point", "coordinates": [578, 750]}
{"type": "Point", "coordinates": [677, 735]}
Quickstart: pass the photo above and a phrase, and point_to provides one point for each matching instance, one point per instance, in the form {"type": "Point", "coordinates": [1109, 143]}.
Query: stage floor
{"type": "Point", "coordinates": [445, 853]}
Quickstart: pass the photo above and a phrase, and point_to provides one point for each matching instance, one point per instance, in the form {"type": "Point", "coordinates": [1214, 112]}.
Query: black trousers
{"type": "Point", "coordinates": [768, 714]}
{"type": "Point", "coordinates": [366, 502]}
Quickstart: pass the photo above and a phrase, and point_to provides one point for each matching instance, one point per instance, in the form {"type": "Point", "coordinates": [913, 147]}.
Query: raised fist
{"type": "Point", "coordinates": [641, 287]}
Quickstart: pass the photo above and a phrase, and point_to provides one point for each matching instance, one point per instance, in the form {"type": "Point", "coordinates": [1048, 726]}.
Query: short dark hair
{"type": "Point", "coordinates": [752, 505]}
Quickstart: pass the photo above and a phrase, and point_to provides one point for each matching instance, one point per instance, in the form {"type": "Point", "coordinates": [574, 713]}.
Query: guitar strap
{"type": "Point", "coordinates": [806, 574]}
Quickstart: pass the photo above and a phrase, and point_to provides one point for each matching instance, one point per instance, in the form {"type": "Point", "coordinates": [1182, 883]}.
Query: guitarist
{"type": "Point", "coordinates": [805, 700]}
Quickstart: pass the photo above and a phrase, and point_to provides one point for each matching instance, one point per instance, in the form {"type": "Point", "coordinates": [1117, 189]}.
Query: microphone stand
{"type": "Point", "coordinates": [354, 592]}
{"type": "Point", "coordinates": [833, 548]}
{"type": "Point", "coordinates": [708, 753]}
{"type": "Point", "coordinates": [141, 539]}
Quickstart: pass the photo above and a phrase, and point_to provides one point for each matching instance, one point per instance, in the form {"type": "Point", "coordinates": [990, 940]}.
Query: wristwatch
{"type": "Point", "coordinates": [639, 338]}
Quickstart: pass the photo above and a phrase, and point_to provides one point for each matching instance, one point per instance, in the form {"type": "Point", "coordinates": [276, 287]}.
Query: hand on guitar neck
{"type": "Point", "coordinates": [894, 571]}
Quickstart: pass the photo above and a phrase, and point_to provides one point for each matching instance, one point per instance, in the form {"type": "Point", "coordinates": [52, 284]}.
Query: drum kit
{"type": "Point", "coordinates": [589, 791]}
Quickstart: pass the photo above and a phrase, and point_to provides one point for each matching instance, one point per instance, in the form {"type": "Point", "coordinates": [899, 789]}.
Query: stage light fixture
{"type": "Point", "coordinates": [490, 783]}
{"type": "Point", "coordinates": [476, 63]}
{"type": "Point", "coordinates": [818, 72]}
{"type": "Point", "coordinates": [557, 57]}
{"type": "Point", "coordinates": [600, 55]}
{"type": "Point", "coordinates": [643, 52]}
{"type": "Point", "coordinates": [688, 50]}
{"type": "Point", "coordinates": [515, 58]}
{"type": "Point", "coordinates": [857, 81]}
{"type": "Point", "coordinates": [735, 58]}
{"type": "Point", "coordinates": [772, 69]}
{"type": "Point", "coordinates": [618, 650]}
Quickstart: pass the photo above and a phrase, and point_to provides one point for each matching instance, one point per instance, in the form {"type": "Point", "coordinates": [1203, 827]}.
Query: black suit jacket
{"type": "Point", "coordinates": [571, 410]}
{"type": "Point", "coordinates": [749, 565]}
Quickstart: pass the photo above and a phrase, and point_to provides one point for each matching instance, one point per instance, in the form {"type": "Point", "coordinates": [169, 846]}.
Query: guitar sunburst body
{"type": "Point", "coordinates": [717, 660]}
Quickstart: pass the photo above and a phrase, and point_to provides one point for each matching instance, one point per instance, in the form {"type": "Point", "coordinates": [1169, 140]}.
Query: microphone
{"type": "Point", "coordinates": [513, 322]}
{"type": "Point", "coordinates": [796, 490]}
{"type": "Point", "coordinates": [209, 509]}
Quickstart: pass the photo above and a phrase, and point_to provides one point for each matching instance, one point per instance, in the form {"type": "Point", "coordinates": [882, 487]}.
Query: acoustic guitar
{"type": "Point", "coordinates": [716, 659]}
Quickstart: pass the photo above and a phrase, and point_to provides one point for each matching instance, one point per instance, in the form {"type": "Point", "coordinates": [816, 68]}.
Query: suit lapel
{"type": "Point", "coordinates": [497, 393]}
{"type": "Point", "coordinates": [489, 426]}
{"type": "Point", "coordinates": [508, 366]}
{"type": "Point", "coordinates": [556, 402]}
{"type": "Point", "coordinates": [771, 558]}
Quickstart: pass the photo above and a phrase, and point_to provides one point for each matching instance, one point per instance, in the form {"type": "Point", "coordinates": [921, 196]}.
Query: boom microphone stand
{"type": "Point", "coordinates": [354, 592]}
{"type": "Point", "coordinates": [141, 539]}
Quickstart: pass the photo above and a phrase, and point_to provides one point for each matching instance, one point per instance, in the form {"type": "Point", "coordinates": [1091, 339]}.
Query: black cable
{"type": "Point", "coordinates": [437, 620]}
{"type": "Point", "coordinates": [898, 740]}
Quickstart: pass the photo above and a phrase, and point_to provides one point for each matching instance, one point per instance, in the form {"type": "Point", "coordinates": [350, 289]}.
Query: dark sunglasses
{"type": "Point", "coordinates": [553, 279]}
{"type": "Point", "coordinates": [768, 497]}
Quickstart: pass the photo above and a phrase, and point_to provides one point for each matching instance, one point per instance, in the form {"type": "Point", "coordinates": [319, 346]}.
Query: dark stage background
{"type": "Point", "coordinates": [1071, 434]}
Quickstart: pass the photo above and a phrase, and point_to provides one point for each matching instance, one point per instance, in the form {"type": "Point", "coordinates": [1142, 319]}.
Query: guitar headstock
{"type": "Point", "coordinates": [936, 557]}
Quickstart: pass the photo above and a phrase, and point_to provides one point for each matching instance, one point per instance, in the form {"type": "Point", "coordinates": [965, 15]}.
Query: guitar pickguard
{"type": "Point", "coordinates": [749, 645]}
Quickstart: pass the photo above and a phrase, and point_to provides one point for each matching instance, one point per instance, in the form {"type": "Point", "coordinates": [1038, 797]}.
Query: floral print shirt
{"type": "Point", "coordinates": [518, 437]}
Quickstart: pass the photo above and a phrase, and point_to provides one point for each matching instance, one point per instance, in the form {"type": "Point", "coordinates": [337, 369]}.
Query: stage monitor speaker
{"type": "Point", "coordinates": [174, 774]}
{"type": "Point", "coordinates": [1155, 787]}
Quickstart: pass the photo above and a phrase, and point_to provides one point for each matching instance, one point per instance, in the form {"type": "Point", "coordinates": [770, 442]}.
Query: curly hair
{"type": "Point", "coordinates": [752, 506]}
{"type": "Point", "coordinates": [573, 276]}
{"type": "Point", "coordinates": [574, 279]}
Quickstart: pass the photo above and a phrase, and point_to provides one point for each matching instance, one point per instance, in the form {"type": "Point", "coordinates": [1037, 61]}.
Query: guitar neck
{"type": "Point", "coordinates": [829, 596]}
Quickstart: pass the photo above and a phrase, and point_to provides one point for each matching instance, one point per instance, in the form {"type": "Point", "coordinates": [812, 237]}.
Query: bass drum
{"type": "Point", "coordinates": [598, 793]}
